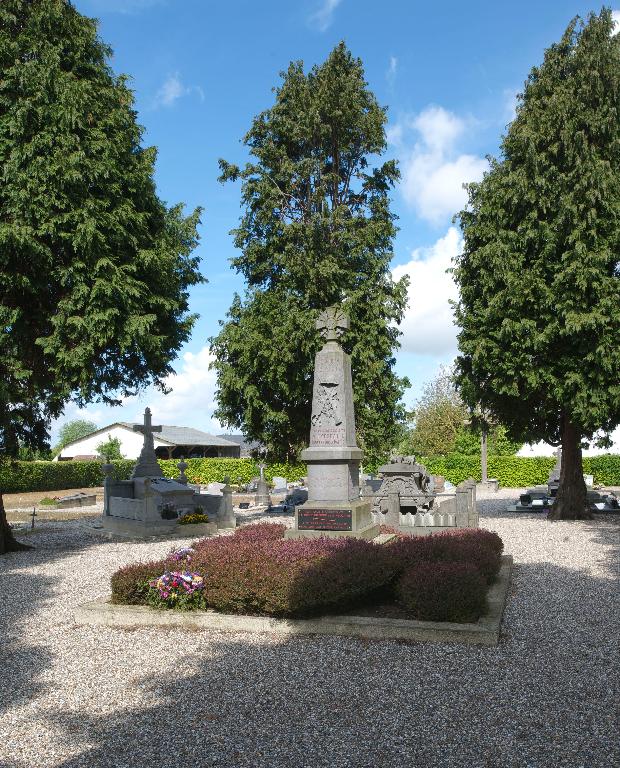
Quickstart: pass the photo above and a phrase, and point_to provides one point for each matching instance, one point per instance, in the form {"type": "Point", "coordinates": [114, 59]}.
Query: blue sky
{"type": "Point", "coordinates": [200, 69]}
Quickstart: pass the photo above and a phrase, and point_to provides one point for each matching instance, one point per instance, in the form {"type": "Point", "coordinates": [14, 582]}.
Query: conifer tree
{"type": "Point", "coordinates": [316, 230]}
{"type": "Point", "coordinates": [94, 267]}
{"type": "Point", "coordinates": [539, 273]}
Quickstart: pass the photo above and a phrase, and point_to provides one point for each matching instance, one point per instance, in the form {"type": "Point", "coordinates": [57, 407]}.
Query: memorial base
{"type": "Point", "coordinates": [333, 519]}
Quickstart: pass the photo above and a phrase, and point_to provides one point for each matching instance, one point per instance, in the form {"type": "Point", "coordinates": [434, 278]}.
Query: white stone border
{"type": "Point", "coordinates": [485, 631]}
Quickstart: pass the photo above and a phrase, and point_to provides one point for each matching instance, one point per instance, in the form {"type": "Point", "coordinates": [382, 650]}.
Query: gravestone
{"type": "Point", "coordinates": [279, 484]}
{"type": "Point", "coordinates": [262, 491]}
{"type": "Point", "coordinates": [334, 507]}
{"type": "Point", "coordinates": [406, 488]}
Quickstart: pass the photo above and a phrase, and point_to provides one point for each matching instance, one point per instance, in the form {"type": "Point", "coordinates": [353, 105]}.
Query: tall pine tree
{"type": "Point", "coordinates": [316, 230]}
{"type": "Point", "coordinates": [94, 267]}
{"type": "Point", "coordinates": [539, 274]}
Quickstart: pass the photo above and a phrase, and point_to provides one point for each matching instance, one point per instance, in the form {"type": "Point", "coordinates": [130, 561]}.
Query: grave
{"type": "Point", "coordinates": [538, 500]}
{"type": "Point", "coordinates": [262, 491]}
{"type": "Point", "coordinates": [279, 484]}
{"type": "Point", "coordinates": [405, 498]}
{"type": "Point", "coordinates": [334, 507]}
{"type": "Point", "coordinates": [77, 500]}
{"type": "Point", "coordinates": [150, 505]}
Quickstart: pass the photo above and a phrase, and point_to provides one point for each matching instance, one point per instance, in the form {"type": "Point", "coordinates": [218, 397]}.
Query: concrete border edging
{"type": "Point", "coordinates": [485, 631]}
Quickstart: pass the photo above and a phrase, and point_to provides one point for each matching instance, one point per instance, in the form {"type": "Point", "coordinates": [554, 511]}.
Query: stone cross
{"type": "Point", "coordinates": [147, 428]}
{"type": "Point", "coordinates": [147, 465]}
{"type": "Point", "coordinates": [332, 323]}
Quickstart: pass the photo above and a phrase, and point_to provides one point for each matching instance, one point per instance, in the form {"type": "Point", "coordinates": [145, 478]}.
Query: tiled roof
{"type": "Point", "coordinates": [188, 436]}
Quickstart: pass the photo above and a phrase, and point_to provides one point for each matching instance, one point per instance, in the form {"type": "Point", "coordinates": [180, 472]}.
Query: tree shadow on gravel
{"type": "Point", "coordinates": [23, 658]}
{"type": "Point", "coordinates": [544, 696]}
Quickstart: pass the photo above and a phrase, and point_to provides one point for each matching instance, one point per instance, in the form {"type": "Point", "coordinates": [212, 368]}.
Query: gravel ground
{"type": "Point", "coordinates": [86, 696]}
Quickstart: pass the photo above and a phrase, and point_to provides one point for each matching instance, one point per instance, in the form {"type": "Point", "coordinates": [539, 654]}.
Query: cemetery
{"type": "Point", "coordinates": [371, 565]}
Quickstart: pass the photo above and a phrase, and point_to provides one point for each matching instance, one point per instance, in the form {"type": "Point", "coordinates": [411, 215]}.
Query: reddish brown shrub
{"type": "Point", "coordinates": [482, 549]}
{"type": "Point", "coordinates": [443, 592]}
{"type": "Point", "coordinates": [130, 585]}
{"type": "Point", "coordinates": [260, 532]}
{"type": "Point", "coordinates": [479, 535]}
{"type": "Point", "coordinates": [292, 577]}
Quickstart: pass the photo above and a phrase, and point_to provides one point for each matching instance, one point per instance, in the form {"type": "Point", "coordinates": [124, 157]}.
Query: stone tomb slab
{"type": "Point", "coordinates": [77, 500]}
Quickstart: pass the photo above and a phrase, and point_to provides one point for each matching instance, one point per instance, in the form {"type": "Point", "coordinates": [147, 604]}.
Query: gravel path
{"type": "Point", "coordinates": [85, 696]}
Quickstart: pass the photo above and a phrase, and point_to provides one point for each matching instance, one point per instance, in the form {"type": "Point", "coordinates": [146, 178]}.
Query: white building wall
{"type": "Point", "coordinates": [544, 449]}
{"type": "Point", "coordinates": [131, 443]}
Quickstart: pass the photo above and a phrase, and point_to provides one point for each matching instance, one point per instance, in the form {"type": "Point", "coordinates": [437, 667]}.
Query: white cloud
{"type": "Point", "coordinates": [191, 400]}
{"type": "Point", "coordinates": [433, 172]}
{"type": "Point", "coordinates": [428, 325]}
{"type": "Point", "coordinates": [615, 15]}
{"type": "Point", "coordinates": [324, 15]}
{"type": "Point", "coordinates": [190, 403]}
{"type": "Point", "coordinates": [173, 89]}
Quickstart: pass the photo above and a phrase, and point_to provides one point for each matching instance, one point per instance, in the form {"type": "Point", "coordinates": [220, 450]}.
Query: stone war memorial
{"type": "Point", "coordinates": [405, 498]}
{"type": "Point", "coordinates": [334, 506]}
{"type": "Point", "coordinates": [149, 505]}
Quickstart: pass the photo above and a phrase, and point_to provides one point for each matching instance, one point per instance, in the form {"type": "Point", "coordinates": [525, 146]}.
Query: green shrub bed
{"type": "Point", "coordinates": [258, 572]}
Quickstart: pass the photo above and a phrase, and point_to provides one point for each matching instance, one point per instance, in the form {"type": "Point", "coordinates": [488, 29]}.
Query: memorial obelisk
{"type": "Point", "coordinates": [334, 507]}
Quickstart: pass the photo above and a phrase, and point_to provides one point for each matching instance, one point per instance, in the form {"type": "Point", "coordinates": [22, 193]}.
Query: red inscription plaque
{"type": "Point", "coordinates": [324, 519]}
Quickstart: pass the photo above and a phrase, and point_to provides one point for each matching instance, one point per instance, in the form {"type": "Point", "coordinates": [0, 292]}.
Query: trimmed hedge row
{"type": "Point", "coordinates": [520, 471]}
{"type": "Point", "coordinates": [511, 471]}
{"type": "Point", "coordinates": [24, 476]}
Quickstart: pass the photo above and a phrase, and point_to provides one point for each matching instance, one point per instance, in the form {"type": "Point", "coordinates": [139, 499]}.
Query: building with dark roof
{"type": "Point", "coordinates": [171, 443]}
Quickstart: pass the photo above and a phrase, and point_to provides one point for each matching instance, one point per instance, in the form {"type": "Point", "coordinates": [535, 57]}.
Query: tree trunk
{"type": "Point", "coordinates": [7, 540]}
{"type": "Point", "coordinates": [483, 455]}
{"type": "Point", "coordinates": [570, 501]}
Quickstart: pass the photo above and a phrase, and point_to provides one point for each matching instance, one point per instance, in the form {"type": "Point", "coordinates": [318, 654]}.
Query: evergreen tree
{"type": "Point", "coordinates": [538, 277]}
{"type": "Point", "coordinates": [94, 267]}
{"type": "Point", "coordinates": [316, 230]}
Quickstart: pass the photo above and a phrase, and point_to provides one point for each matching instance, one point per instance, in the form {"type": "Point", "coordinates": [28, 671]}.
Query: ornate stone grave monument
{"type": "Point", "coordinates": [334, 507]}
{"type": "Point", "coordinates": [150, 505]}
{"type": "Point", "coordinates": [405, 498]}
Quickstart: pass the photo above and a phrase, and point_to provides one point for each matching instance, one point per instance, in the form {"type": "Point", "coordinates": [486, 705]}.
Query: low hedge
{"type": "Point", "coordinates": [511, 471]}
{"type": "Point", "coordinates": [519, 471]}
{"type": "Point", "coordinates": [474, 546]}
{"type": "Point", "coordinates": [443, 592]}
{"type": "Point", "coordinates": [24, 476]}
{"type": "Point", "coordinates": [294, 577]}
{"type": "Point", "coordinates": [257, 571]}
